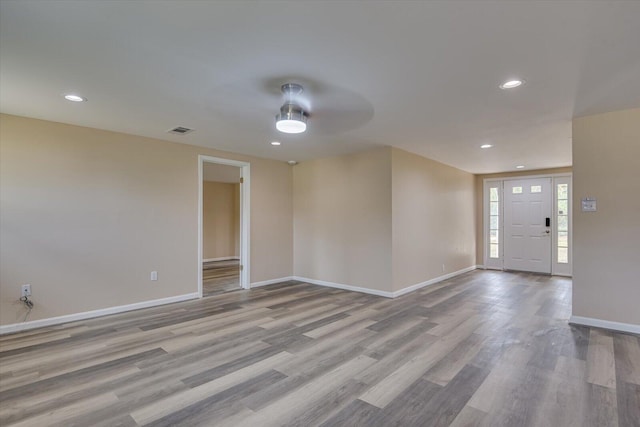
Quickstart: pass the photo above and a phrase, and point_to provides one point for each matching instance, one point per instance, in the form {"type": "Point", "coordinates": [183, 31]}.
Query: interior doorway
{"type": "Point", "coordinates": [223, 225]}
{"type": "Point", "coordinates": [220, 229]}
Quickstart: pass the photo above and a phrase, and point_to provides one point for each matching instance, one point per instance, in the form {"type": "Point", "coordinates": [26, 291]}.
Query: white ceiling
{"type": "Point", "coordinates": [421, 76]}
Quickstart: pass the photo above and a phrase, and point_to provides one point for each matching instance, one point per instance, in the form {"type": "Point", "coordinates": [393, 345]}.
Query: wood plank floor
{"type": "Point", "coordinates": [220, 276]}
{"type": "Point", "coordinates": [482, 349]}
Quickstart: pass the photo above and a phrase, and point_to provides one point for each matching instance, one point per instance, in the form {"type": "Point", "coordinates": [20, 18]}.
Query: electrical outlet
{"type": "Point", "coordinates": [154, 276]}
{"type": "Point", "coordinates": [25, 290]}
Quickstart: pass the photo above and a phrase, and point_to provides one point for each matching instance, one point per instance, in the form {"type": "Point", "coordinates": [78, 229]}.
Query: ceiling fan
{"type": "Point", "coordinates": [292, 118]}
{"type": "Point", "coordinates": [317, 108]}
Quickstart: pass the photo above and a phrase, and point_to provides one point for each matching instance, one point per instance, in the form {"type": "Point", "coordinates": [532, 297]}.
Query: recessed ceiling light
{"type": "Point", "coordinates": [275, 143]}
{"type": "Point", "coordinates": [511, 84]}
{"type": "Point", "coordinates": [520, 167]}
{"type": "Point", "coordinates": [74, 98]}
{"type": "Point", "coordinates": [292, 162]}
{"type": "Point", "coordinates": [486, 146]}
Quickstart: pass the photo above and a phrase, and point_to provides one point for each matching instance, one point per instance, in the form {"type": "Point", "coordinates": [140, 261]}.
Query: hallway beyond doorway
{"type": "Point", "coordinates": [220, 276]}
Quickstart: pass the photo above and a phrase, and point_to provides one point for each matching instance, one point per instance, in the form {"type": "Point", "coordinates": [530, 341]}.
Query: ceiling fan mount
{"type": "Point", "coordinates": [291, 89]}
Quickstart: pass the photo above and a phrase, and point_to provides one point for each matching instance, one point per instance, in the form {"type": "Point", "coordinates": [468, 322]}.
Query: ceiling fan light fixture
{"type": "Point", "coordinates": [291, 119]}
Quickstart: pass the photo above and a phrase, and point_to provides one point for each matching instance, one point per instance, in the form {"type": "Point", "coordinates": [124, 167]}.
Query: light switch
{"type": "Point", "coordinates": [154, 275]}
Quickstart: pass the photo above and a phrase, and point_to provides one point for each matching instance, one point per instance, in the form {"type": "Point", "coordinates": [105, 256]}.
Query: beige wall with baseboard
{"type": "Point", "coordinates": [342, 219]}
{"type": "Point", "coordinates": [479, 189]}
{"type": "Point", "coordinates": [382, 219]}
{"type": "Point", "coordinates": [220, 220]}
{"type": "Point", "coordinates": [87, 214]}
{"type": "Point", "coordinates": [433, 219]}
{"type": "Point", "coordinates": [606, 243]}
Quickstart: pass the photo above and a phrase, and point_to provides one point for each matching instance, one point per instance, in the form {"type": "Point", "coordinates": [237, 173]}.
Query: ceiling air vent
{"type": "Point", "coordinates": [180, 130]}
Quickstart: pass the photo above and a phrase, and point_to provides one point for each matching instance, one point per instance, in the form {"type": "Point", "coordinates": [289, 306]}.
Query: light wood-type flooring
{"type": "Point", "coordinates": [220, 276]}
{"type": "Point", "coordinates": [482, 349]}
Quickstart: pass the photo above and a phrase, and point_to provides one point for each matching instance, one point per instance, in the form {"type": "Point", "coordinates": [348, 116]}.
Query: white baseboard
{"type": "Point", "coordinates": [605, 324]}
{"type": "Point", "coordinates": [223, 258]}
{"type": "Point", "coordinates": [270, 282]}
{"type": "Point", "coordinates": [345, 287]}
{"type": "Point", "coordinates": [17, 327]}
{"type": "Point", "coordinates": [385, 294]}
{"type": "Point", "coordinates": [432, 281]}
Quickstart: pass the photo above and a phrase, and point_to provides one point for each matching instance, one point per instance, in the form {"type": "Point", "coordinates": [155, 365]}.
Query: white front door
{"type": "Point", "coordinates": [527, 225]}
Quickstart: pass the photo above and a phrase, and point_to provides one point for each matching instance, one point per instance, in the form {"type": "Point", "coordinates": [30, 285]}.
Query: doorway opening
{"type": "Point", "coordinates": [527, 224]}
{"type": "Point", "coordinates": [223, 225]}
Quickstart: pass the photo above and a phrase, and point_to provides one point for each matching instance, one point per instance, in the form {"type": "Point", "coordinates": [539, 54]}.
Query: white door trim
{"type": "Point", "coordinates": [551, 175]}
{"type": "Point", "coordinates": [245, 216]}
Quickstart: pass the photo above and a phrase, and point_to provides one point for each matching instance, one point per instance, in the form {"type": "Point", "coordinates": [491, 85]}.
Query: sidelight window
{"type": "Point", "coordinates": [494, 222]}
{"type": "Point", "coordinates": [562, 219]}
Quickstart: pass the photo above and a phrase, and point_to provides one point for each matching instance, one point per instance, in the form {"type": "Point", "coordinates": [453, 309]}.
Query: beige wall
{"type": "Point", "coordinates": [87, 214]}
{"type": "Point", "coordinates": [479, 182]}
{"type": "Point", "coordinates": [220, 220]}
{"type": "Point", "coordinates": [606, 243]}
{"type": "Point", "coordinates": [342, 219]}
{"type": "Point", "coordinates": [383, 219]}
{"type": "Point", "coordinates": [433, 219]}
